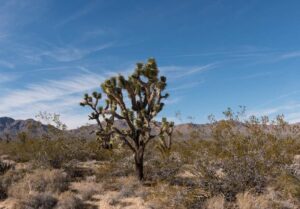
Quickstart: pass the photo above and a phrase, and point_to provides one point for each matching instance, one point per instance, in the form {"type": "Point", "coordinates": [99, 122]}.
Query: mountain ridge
{"type": "Point", "coordinates": [10, 128]}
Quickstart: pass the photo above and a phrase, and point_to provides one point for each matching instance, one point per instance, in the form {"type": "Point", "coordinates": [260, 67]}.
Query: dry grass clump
{"type": "Point", "coordinates": [162, 195]}
{"type": "Point", "coordinates": [217, 202]}
{"type": "Point", "coordinates": [289, 185]}
{"type": "Point", "coordinates": [68, 200]}
{"type": "Point", "coordinates": [37, 201]}
{"type": "Point", "coordinates": [8, 179]}
{"type": "Point", "coordinates": [40, 189]}
{"type": "Point", "coordinates": [86, 189]}
{"type": "Point", "coordinates": [249, 201]}
{"type": "Point", "coordinates": [130, 187]}
{"type": "Point", "coordinates": [52, 181]}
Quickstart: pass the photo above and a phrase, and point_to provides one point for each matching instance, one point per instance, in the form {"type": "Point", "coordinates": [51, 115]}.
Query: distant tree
{"type": "Point", "coordinates": [165, 136]}
{"type": "Point", "coordinates": [51, 119]}
{"type": "Point", "coordinates": [136, 100]}
{"type": "Point", "coordinates": [54, 123]}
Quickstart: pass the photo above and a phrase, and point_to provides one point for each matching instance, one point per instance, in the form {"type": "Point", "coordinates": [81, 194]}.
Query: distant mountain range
{"type": "Point", "coordinates": [10, 128]}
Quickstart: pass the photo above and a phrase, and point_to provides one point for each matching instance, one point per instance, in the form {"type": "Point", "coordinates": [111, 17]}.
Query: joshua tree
{"type": "Point", "coordinates": [165, 135]}
{"type": "Point", "coordinates": [144, 90]}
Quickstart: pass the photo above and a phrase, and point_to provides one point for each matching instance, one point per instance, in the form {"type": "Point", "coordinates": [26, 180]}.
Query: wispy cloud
{"type": "Point", "coordinates": [288, 110]}
{"type": "Point", "coordinates": [293, 117]}
{"type": "Point", "coordinates": [78, 14]}
{"type": "Point", "coordinates": [68, 54]}
{"type": "Point", "coordinates": [172, 100]}
{"type": "Point", "coordinates": [51, 95]}
{"type": "Point", "coordinates": [16, 14]}
{"type": "Point", "coordinates": [289, 55]}
{"type": "Point", "coordinates": [280, 97]}
{"type": "Point", "coordinates": [50, 91]}
{"type": "Point", "coordinates": [185, 86]}
{"type": "Point", "coordinates": [7, 78]}
{"type": "Point", "coordinates": [180, 71]}
{"type": "Point", "coordinates": [252, 76]}
{"type": "Point", "coordinates": [7, 64]}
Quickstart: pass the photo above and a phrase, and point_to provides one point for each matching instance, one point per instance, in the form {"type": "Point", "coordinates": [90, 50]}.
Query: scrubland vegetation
{"type": "Point", "coordinates": [245, 163]}
{"type": "Point", "coordinates": [258, 167]}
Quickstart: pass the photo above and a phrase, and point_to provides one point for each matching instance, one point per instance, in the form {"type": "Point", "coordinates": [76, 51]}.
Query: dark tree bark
{"type": "Point", "coordinates": [139, 164]}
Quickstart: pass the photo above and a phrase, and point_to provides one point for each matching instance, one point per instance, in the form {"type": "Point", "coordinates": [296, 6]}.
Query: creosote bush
{"type": "Point", "coordinates": [245, 155]}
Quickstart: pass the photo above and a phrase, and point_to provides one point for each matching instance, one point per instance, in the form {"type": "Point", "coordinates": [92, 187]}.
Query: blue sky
{"type": "Point", "coordinates": [216, 54]}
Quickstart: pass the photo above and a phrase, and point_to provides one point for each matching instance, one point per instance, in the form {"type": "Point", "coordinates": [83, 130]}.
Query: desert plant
{"type": "Point", "coordinates": [37, 201]}
{"type": "Point", "coordinates": [4, 167]}
{"type": "Point", "coordinates": [52, 119]}
{"type": "Point", "coordinates": [68, 200]}
{"type": "Point", "coordinates": [246, 154]}
{"type": "Point", "coordinates": [216, 202]}
{"type": "Point", "coordinates": [22, 136]}
{"type": "Point", "coordinates": [40, 181]}
{"type": "Point", "coordinates": [165, 136]}
{"type": "Point", "coordinates": [231, 176]}
{"type": "Point", "coordinates": [144, 89]}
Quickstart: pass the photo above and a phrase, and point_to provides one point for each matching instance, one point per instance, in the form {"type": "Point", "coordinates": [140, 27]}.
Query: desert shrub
{"type": "Point", "coordinates": [217, 202]}
{"type": "Point", "coordinates": [8, 179]}
{"type": "Point", "coordinates": [231, 177]}
{"type": "Point", "coordinates": [37, 201]}
{"type": "Point", "coordinates": [53, 153]}
{"type": "Point", "coordinates": [53, 181]}
{"type": "Point", "coordinates": [247, 200]}
{"type": "Point", "coordinates": [161, 172]}
{"type": "Point", "coordinates": [3, 193]}
{"type": "Point", "coordinates": [129, 187]}
{"type": "Point", "coordinates": [242, 155]}
{"type": "Point", "coordinates": [119, 165]}
{"type": "Point", "coordinates": [4, 167]}
{"type": "Point", "coordinates": [288, 184]}
{"type": "Point", "coordinates": [68, 200]}
{"type": "Point", "coordinates": [163, 168]}
{"type": "Point", "coordinates": [86, 190]}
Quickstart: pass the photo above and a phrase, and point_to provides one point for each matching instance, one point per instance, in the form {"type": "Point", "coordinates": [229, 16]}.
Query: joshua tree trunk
{"type": "Point", "coordinates": [139, 163]}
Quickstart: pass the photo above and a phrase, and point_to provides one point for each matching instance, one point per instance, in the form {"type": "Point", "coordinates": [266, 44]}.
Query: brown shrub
{"type": "Point", "coordinates": [53, 181]}
{"type": "Point", "coordinates": [249, 201]}
{"type": "Point", "coordinates": [217, 202]}
{"type": "Point", "coordinates": [87, 189]}
{"type": "Point", "coordinates": [68, 200]}
{"type": "Point", "coordinates": [37, 201]}
{"type": "Point", "coordinates": [9, 178]}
